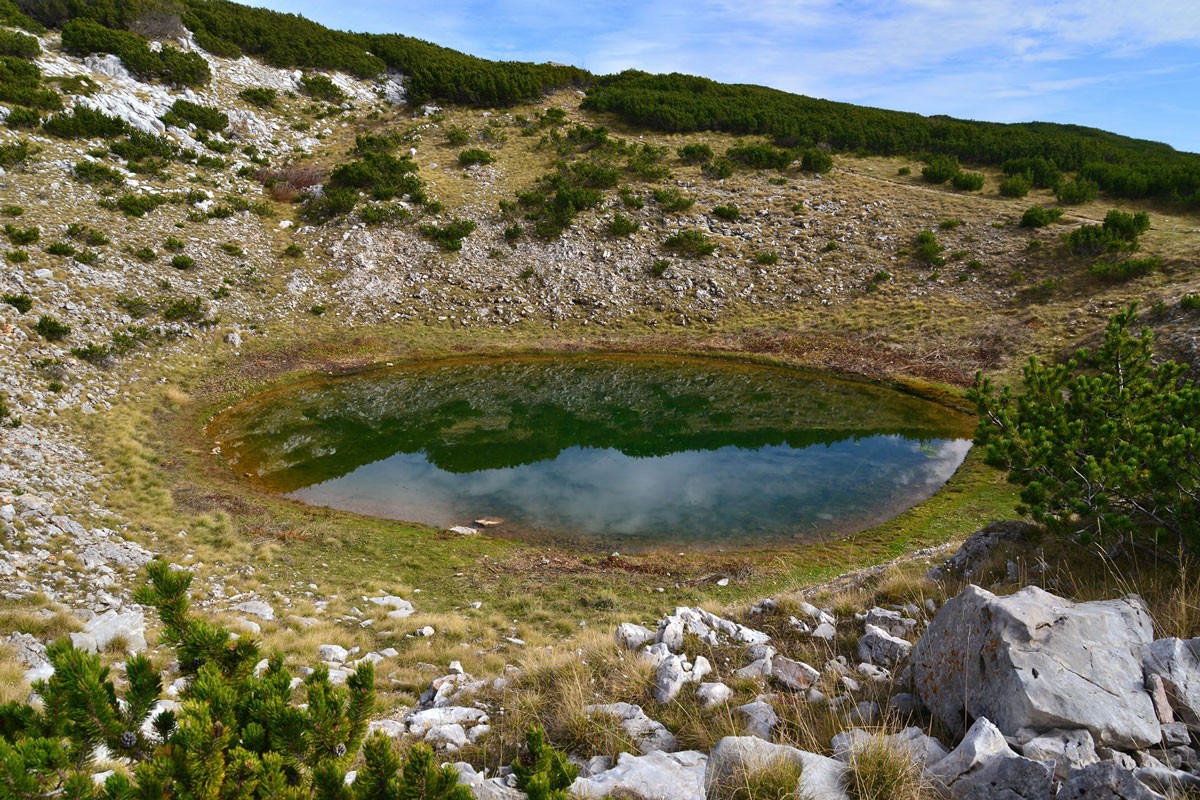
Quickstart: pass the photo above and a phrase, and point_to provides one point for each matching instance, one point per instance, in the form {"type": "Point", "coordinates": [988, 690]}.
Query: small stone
{"type": "Point", "coordinates": [256, 608]}
{"type": "Point", "coordinates": [795, 675]}
{"type": "Point", "coordinates": [1175, 734]}
{"type": "Point", "coordinates": [713, 694]}
{"type": "Point", "coordinates": [760, 719]}
{"type": "Point", "coordinates": [825, 631]}
{"type": "Point", "coordinates": [633, 637]}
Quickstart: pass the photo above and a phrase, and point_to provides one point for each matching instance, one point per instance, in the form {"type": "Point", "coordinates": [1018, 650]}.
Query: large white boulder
{"type": "Point", "coordinates": [653, 776]}
{"type": "Point", "coordinates": [1033, 660]}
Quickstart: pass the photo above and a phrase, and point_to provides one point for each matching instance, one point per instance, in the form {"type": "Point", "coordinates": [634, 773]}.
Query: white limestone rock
{"type": "Point", "coordinates": [648, 734]}
{"type": "Point", "coordinates": [1065, 751]}
{"type": "Point", "coordinates": [983, 765]}
{"type": "Point", "coordinates": [257, 608]}
{"type": "Point", "coordinates": [1176, 664]}
{"type": "Point", "coordinates": [100, 631]}
{"type": "Point", "coordinates": [713, 694]}
{"type": "Point", "coordinates": [633, 637]}
{"type": "Point", "coordinates": [877, 646]}
{"type": "Point", "coordinates": [651, 776]}
{"type": "Point", "coordinates": [1037, 661]}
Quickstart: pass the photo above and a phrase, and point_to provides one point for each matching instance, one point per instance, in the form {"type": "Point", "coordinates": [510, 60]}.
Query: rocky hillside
{"type": "Point", "coordinates": [169, 250]}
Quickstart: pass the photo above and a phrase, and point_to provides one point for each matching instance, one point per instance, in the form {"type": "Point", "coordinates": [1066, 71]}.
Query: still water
{"type": "Point", "coordinates": [621, 452]}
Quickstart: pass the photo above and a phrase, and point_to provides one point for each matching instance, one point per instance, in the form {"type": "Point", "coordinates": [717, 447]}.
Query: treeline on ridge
{"type": "Point", "coordinates": [1121, 166]}
{"type": "Point", "coordinates": [289, 40]}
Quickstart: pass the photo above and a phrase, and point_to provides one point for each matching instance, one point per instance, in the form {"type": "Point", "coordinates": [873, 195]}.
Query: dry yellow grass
{"type": "Point", "coordinates": [13, 688]}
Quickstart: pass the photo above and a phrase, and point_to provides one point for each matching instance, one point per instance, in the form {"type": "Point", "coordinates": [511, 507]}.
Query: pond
{"type": "Point", "coordinates": [615, 452]}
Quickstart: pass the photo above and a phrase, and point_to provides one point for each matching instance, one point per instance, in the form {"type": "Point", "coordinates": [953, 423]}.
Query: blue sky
{"type": "Point", "coordinates": [1128, 67]}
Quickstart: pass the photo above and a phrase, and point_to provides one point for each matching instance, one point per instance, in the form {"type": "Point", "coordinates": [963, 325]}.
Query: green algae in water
{"type": "Point", "coordinates": [613, 451]}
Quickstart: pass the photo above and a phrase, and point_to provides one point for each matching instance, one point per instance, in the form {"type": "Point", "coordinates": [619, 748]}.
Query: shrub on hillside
{"type": "Point", "coordinates": [1104, 445]}
{"type": "Point", "coordinates": [1125, 225]}
{"type": "Point", "coordinates": [239, 731]}
{"type": "Point", "coordinates": [474, 156]}
{"type": "Point", "coordinates": [1125, 269]}
{"type": "Point", "coordinates": [1118, 233]}
{"type": "Point", "coordinates": [449, 236]}
{"type": "Point", "coordinates": [261, 96]}
{"type": "Point", "coordinates": [184, 112]}
{"type": "Point", "coordinates": [1042, 173]}
{"type": "Point", "coordinates": [1040, 217]}
{"type": "Point", "coordinates": [83, 122]}
{"type": "Point", "coordinates": [940, 169]}
{"type": "Point", "coordinates": [621, 225]}
{"type": "Point", "coordinates": [376, 143]}
{"type": "Point", "coordinates": [967, 181]}
{"type": "Point", "coordinates": [760, 156]}
{"type": "Point", "coordinates": [1076, 192]}
{"type": "Point", "coordinates": [728, 212]}
{"type": "Point", "coordinates": [139, 205]}
{"type": "Point", "coordinates": [21, 302]}
{"type": "Point", "coordinates": [14, 154]}
{"type": "Point", "coordinates": [672, 200]}
{"type": "Point", "coordinates": [718, 169]}
{"type": "Point", "coordinates": [51, 329]}
{"type": "Point", "coordinates": [690, 242]}
{"type": "Point", "coordinates": [18, 44]}
{"type": "Point", "coordinates": [95, 172]}
{"type": "Point", "coordinates": [84, 36]}
{"type": "Point", "coordinates": [22, 236]}
{"type": "Point", "coordinates": [928, 248]}
{"type": "Point", "coordinates": [695, 154]}
{"type": "Point", "coordinates": [1016, 185]}
{"type": "Point", "coordinates": [11, 14]}
{"type": "Point", "coordinates": [21, 84]}
{"type": "Point", "coordinates": [320, 87]}
{"type": "Point", "coordinates": [23, 118]}
{"type": "Point", "coordinates": [146, 147]}
{"type": "Point", "coordinates": [817, 161]}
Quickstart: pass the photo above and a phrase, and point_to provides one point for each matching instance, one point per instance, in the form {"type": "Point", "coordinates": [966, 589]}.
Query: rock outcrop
{"type": "Point", "coordinates": [1032, 660]}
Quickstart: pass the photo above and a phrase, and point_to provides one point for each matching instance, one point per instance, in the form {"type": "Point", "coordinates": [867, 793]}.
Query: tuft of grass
{"type": "Point", "coordinates": [777, 779]}
{"type": "Point", "coordinates": [880, 772]}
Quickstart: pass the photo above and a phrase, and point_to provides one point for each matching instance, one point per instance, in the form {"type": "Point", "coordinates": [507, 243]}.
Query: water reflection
{"type": "Point", "coordinates": [623, 451]}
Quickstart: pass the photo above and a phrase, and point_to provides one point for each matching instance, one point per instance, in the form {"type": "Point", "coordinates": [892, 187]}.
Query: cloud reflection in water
{"type": "Point", "coordinates": [771, 493]}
